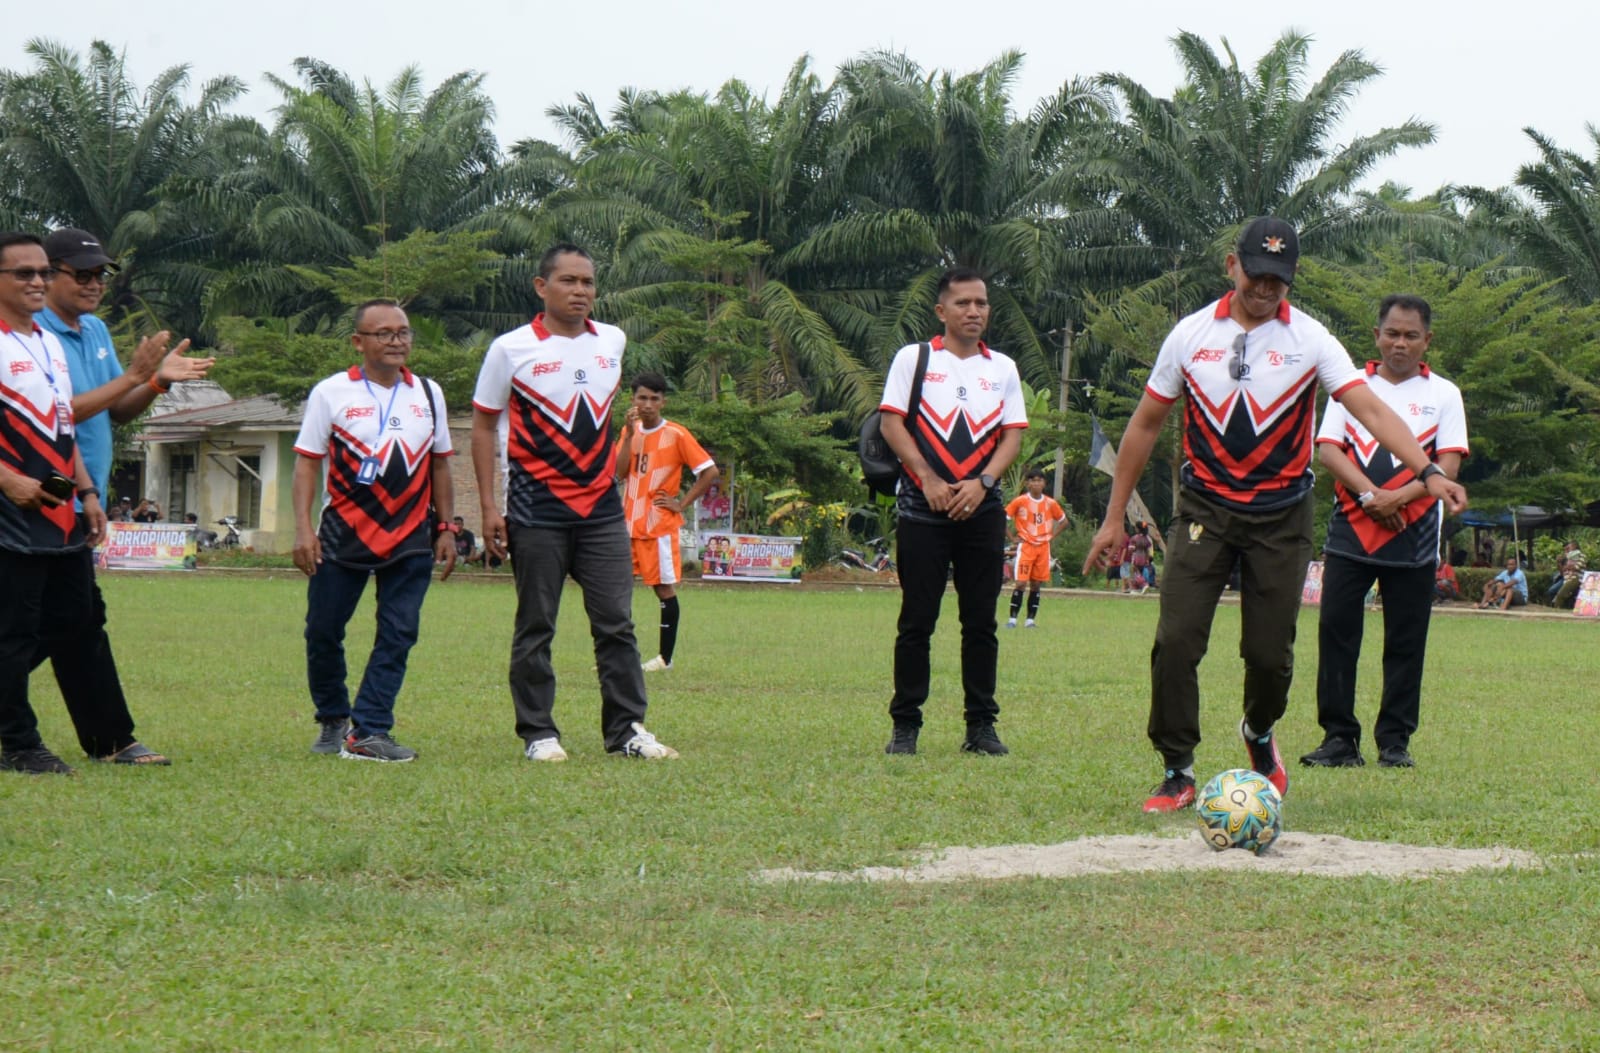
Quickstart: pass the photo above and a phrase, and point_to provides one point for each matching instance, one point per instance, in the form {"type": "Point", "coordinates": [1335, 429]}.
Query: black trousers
{"type": "Point", "coordinates": [975, 548]}
{"type": "Point", "coordinates": [1407, 605]}
{"type": "Point", "coordinates": [1206, 540]}
{"type": "Point", "coordinates": [54, 609]}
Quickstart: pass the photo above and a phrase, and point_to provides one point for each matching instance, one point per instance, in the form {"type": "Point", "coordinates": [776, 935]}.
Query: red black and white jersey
{"type": "Point", "coordinates": [1431, 406]}
{"type": "Point", "coordinates": [37, 438]}
{"type": "Point", "coordinates": [557, 391]}
{"type": "Point", "coordinates": [350, 420]}
{"type": "Point", "coordinates": [966, 404]}
{"type": "Point", "coordinates": [1247, 442]}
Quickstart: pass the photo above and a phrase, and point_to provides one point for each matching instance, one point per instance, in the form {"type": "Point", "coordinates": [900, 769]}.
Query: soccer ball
{"type": "Point", "coordinates": [1240, 809]}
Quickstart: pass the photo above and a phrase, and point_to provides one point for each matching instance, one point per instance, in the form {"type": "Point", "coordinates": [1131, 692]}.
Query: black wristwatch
{"type": "Point", "coordinates": [1431, 470]}
{"type": "Point", "coordinates": [987, 480]}
{"type": "Point", "coordinates": [86, 491]}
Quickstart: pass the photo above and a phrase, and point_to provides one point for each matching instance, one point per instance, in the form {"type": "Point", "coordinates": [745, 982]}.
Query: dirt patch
{"type": "Point", "coordinates": [1323, 855]}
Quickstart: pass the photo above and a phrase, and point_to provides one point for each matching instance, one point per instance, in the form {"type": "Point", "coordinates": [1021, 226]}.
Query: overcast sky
{"type": "Point", "coordinates": [1480, 74]}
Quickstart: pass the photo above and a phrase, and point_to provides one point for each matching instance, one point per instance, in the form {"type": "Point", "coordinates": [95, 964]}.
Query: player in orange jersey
{"type": "Point", "coordinates": [1034, 521]}
{"type": "Point", "coordinates": [651, 459]}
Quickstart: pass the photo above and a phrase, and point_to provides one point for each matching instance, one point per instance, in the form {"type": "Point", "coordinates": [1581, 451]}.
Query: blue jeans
{"type": "Point", "coordinates": [332, 595]}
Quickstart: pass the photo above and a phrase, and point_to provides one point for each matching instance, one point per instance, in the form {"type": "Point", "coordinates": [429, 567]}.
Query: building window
{"type": "Point", "coordinates": [180, 484]}
{"type": "Point", "coordinates": [249, 491]}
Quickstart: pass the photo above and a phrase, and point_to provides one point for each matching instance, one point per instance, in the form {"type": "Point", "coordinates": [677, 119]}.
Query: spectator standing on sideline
{"type": "Point", "coordinates": [556, 378]}
{"type": "Point", "coordinates": [1385, 529]}
{"type": "Point", "coordinates": [1034, 521]}
{"type": "Point", "coordinates": [381, 432]}
{"type": "Point", "coordinates": [49, 579]}
{"type": "Point", "coordinates": [104, 394]}
{"type": "Point", "coordinates": [651, 459]}
{"type": "Point", "coordinates": [1248, 366]}
{"type": "Point", "coordinates": [965, 435]}
{"type": "Point", "coordinates": [1509, 588]}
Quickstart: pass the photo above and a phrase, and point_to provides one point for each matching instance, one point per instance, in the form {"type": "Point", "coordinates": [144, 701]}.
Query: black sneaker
{"type": "Point", "coordinates": [984, 740]}
{"type": "Point", "coordinates": [35, 761]}
{"type": "Point", "coordinates": [904, 740]}
{"type": "Point", "coordinates": [1394, 757]}
{"type": "Point", "coordinates": [330, 736]}
{"type": "Point", "coordinates": [1334, 753]}
{"type": "Point", "coordinates": [379, 747]}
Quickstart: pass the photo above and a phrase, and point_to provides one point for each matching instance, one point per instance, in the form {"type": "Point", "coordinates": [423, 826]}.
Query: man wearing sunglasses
{"type": "Point", "coordinates": [80, 269]}
{"type": "Point", "coordinates": [1248, 366]}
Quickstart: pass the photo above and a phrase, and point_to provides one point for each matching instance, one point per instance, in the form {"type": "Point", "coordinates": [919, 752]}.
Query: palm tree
{"type": "Point", "coordinates": [1178, 176]}
{"type": "Point", "coordinates": [934, 170]}
{"type": "Point", "coordinates": [1555, 223]}
{"type": "Point", "coordinates": [82, 145]}
{"type": "Point", "coordinates": [349, 169]}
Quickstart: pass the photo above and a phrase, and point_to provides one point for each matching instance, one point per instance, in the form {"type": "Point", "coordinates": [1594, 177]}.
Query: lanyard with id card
{"type": "Point", "coordinates": [371, 465]}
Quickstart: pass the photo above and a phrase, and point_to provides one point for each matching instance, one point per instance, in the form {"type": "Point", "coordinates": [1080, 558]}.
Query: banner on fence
{"type": "Point", "coordinates": [726, 556]}
{"type": "Point", "coordinates": [1588, 601]}
{"type": "Point", "coordinates": [147, 546]}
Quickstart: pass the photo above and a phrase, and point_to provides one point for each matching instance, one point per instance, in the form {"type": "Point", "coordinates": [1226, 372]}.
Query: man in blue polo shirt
{"type": "Point", "coordinates": [103, 393]}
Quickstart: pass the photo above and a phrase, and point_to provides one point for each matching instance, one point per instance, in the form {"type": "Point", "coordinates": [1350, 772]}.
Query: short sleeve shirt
{"type": "Point", "coordinates": [659, 457]}
{"type": "Point", "coordinates": [348, 420]}
{"type": "Point", "coordinates": [557, 392]}
{"type": "Point", "coordinates": [966, 404]}
{"type": "Point", "coordinates": [1247, 442]}
{"type": "Point", "coordinates": [1431, 406]}
{"type": "Point", "coordinates": [94, 364]}
{"type": "Point", "coordinates": [1034, 519]}
{"type": "Point", "coordinates": [37, 437]}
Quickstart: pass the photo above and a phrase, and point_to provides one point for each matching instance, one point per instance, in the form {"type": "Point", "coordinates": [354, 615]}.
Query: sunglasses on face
{"type": "Point", "coordinates": [85, 278]}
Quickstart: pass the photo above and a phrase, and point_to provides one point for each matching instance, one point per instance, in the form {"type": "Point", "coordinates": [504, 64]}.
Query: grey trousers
{"type": "Point", "coordinates": [1202, 546]}
{"type": "Point", "coordinates": [598, 558]}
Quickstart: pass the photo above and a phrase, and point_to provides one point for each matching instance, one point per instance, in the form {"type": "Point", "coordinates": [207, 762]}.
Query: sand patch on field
{"type": "Point", "coordinates": [1324, 855]}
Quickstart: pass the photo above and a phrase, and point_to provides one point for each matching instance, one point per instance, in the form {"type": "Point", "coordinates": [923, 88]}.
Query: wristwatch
{"type": "Point", "coordinates": [452, 527]}
{"type": "Point", "coordinates": [86, 491]}
{"type": "Point", "coordinates": [1365, 498]}
{"type": "Point", "coordinates": [1431, 470]}
{"type": "Point", "coordinates": [987, 480]}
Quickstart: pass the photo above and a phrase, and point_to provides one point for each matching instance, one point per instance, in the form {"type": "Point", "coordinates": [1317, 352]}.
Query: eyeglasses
{"type": "Point", "coordinates": [387, 336]}
{"type": "Point", "coordinates": [28, 274]}
{"type": "Point", "coordinates": [1237, 369]}
{"type": "Point", "coordinates": [85, 278]}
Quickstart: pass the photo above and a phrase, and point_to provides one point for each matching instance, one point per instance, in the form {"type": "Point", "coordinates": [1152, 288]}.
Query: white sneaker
{"type": "Point", "coordinates": [1030, 624]}
{"type": "Point", "coordinates": [546, 750]}
{"type": "Point", "coordinates": [656, 665]}
{"type": "Point", "coordinates": [1011, 623]}
{"type": "Point", "coordinates": [644, 746]}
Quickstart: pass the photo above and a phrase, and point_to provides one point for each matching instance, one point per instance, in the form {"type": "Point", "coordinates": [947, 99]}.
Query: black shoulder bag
{"type": "Point", "coordinates": [879, 465]}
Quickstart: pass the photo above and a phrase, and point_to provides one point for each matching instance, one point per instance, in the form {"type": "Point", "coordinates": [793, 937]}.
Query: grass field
{"type": "Point", "coordinates": [257, 897]}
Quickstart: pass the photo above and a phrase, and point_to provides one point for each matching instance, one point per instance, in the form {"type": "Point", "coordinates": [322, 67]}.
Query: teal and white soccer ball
{"type": "Point", "coordinates": [1240, 809]}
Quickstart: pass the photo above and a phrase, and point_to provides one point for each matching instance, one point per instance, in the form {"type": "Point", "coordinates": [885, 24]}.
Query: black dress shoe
{"type": "Point", "coordinates": [1334, 753]}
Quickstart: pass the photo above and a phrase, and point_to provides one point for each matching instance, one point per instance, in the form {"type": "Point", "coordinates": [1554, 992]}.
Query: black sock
{"type": "Point", "coordinates": [669, 628]}
{"type": "Point", "coordinates": [1016, 603]}
{"type": "Point", "coordinates": [1033, 605]}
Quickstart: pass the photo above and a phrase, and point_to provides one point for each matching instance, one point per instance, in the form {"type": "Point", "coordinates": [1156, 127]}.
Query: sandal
{"type": "Point", "coordinates": [134, 753]}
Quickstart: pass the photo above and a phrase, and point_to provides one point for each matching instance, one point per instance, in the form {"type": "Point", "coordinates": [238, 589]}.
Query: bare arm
{"type": "Point", "coordinates": [1138, 440]}
{"type": "Point", "coordinates": [1392, 433]}
{"type": "Point", "coordinates": [702, 483]}
{"type": "Point", "coordinates": [624, 462]}
{"type": "Point", "coordinates": [485, 460]}
{"type": "Point", "coordinates": [444, 507]}
{"type": "Point", "coordinates": [302, 492]}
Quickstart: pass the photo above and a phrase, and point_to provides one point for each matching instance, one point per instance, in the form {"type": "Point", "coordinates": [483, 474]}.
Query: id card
{"type": "Point", "coordinates": [63, 418]}
{"type": "Point", "coordinates": [367, 474]}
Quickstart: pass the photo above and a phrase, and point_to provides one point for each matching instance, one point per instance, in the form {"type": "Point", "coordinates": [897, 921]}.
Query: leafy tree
{"type": "Point", "coordinates": [82, 145]}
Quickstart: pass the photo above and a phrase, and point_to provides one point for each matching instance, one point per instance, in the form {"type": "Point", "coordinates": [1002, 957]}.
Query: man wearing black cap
{"type": "Point", "coordinates": [1248, 367]}
{"type": "Point", "coordinates": [102, 393]}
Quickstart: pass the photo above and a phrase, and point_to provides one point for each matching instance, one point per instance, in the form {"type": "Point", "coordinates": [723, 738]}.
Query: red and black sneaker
{"type": "Point", "coordinates": [1265, 758]}
{"type": "Point", "coordinates": [1175, 793]}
